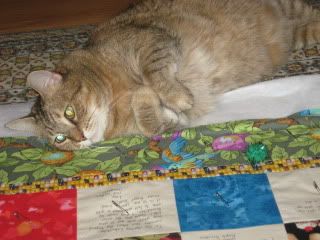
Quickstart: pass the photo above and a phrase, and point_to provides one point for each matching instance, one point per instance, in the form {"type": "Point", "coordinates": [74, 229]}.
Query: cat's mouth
{"type": "Point", "coordinates": [90, 138]}
{"type": "Point", "coordinates": [94, 135]}
{"type": "Point", "coordinates": [85, 143]}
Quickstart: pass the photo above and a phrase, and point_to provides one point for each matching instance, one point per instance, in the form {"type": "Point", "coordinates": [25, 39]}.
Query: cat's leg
{"type": "Point", "coordinates": [307, 35]}
{"type": "Point", "coordinates": [314, 236]}
{"type": "Point", "coordinates": [159, 70]}
{"type": "Point", "coordinates": [304, 19]}
{"type": "Point", "coordinates": [307, 31]}
{"type": "Point", "coordinates": [151, 116]}
{"type": "Point", "coordinates": [292, 237]}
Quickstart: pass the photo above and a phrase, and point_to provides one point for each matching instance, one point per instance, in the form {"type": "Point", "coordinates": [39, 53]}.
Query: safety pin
{"type": "Point", "coordinates": [221, 198]}
{"type": "Point", "coordinates": [121, 208]}
{"type": "Point", "coordinates": [315, 185]}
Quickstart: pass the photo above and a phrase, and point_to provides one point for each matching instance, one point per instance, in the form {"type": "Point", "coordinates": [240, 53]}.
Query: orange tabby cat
{"type": "Point", "coordinates": [163, 63]}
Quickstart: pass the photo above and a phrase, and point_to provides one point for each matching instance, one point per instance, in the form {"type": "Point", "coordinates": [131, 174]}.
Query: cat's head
{"type": "Point", "coordinates": [67, 112]}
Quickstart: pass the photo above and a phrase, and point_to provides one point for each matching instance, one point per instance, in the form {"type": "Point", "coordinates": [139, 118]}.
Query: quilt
{"type": "Point", "coordinates": [253, 179]}
{"type": "Point", "coordinates": [267, 206]}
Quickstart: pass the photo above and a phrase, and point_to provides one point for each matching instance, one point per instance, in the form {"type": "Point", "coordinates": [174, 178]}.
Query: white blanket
{"type": "Point", "coordinates": [271, 99]}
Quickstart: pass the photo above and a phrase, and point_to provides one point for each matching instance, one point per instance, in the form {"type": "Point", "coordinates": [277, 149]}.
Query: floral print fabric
{"type": "Point", "coordinates": [24, 160]}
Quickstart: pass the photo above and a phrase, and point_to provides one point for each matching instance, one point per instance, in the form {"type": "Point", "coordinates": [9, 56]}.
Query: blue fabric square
{"type": "Point", "coordinates": [225, 202]}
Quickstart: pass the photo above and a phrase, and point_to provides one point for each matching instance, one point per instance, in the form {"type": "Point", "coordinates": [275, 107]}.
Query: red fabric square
{"type": "Point", "coordinates": [46, 216]}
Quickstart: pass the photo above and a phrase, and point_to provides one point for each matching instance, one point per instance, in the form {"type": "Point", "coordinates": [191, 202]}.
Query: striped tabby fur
{"type": "Point", "coordinates": [163, 63]}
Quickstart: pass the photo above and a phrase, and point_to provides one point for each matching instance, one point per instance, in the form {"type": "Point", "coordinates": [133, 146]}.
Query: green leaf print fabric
{"type": "Point", "coordinates": [24, 160]}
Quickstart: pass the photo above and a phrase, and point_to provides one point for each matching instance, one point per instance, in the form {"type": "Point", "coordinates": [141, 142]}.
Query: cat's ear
{"type": "Point", "coordinates": [27, 124]}
{"type": "Point", "coordinates": [44, 82]}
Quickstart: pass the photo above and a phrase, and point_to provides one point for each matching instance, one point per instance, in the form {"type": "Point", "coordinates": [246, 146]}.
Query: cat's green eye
{"type": "Point", "coordinates": [60, 138]}
{"type": "Point", "coordinates": [69, 113]}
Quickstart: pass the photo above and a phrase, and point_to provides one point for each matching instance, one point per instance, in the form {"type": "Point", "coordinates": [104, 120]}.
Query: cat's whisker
{"type": "Point", "coordinates": [90, 118]}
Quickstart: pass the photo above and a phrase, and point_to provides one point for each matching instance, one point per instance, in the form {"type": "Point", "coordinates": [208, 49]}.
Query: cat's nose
{"type": "Point", "coordinates": [83, 137]}
{"type": "Point", "coordinates": [77, 135]}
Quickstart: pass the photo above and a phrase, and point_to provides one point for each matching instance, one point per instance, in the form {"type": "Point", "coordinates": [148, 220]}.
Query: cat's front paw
{"type": "Point", "coordinates": [165, 119]}
{"type": "Point", "coordinates": [179, 101]}
{"type": "Point", "coordinates": [169, 121]}
{"type": "Point", "coordinates": [151, 115]}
